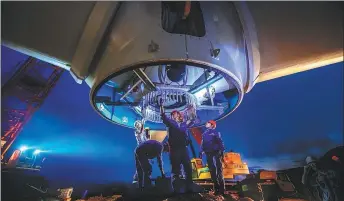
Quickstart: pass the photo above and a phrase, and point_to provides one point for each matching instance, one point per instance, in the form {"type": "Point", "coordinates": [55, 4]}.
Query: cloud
{"type": "Point", "coordinates": [289, 154]}
{"type": "Point", "coordinates": [305, 146]}
{"type": "Point", "coordinates": [313, 146]}
{"type": "Point", "coordinates": [275, 163]}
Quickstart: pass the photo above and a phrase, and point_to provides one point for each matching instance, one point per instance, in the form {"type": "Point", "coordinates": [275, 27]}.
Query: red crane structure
{"type": "Point", "coordinates": [22, 95]}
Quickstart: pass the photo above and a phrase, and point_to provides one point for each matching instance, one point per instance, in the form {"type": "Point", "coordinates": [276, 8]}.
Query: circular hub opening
{"type": "Point", "coordinates": [199, 92]}
{"type": "Point", "coordinates": [172, 99]}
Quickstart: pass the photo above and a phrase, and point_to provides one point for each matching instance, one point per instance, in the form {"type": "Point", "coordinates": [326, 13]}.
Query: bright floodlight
{"type": "Point", "coordinates": [23, 148]}
{"type": "Point", "coordinates": [37, 151]}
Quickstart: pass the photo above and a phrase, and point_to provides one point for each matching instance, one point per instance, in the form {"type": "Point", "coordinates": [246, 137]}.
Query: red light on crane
{"type": "Point", "coordinates": [335, 158]}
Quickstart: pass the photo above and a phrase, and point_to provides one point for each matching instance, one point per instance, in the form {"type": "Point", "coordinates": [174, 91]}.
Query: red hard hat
{"type": "Point", "coordinates": [175, 111]}
{"type": "Point", "coordinates": [213, 123]}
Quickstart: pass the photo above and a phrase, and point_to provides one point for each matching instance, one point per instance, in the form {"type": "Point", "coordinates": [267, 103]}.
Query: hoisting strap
{"type": "Point", "coordinates": [187, 9]}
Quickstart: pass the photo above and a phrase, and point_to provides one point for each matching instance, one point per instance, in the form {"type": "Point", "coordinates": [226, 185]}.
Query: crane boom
{"type": "Point", "coordinates": [22, 95]}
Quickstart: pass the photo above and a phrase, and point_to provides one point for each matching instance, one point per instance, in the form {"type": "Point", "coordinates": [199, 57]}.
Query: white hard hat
{"type": "Point", "coordinates": [310, 159]}
{"type": "Point", "coordinates": [137, 122]}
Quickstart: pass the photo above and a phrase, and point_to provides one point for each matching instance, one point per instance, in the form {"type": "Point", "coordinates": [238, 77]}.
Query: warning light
{"type": "Point", "coordinates": [335, 158]}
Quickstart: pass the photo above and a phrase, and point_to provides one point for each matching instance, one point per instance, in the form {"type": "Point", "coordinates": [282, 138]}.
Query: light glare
{"type": "Point", "coordinates": [37, 151]}
{"type": "Point", "coordinates": [23, 148]}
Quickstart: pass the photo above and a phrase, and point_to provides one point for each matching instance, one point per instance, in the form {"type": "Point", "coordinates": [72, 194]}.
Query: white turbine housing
{"type": "Point", "coordinates": [140, 51]}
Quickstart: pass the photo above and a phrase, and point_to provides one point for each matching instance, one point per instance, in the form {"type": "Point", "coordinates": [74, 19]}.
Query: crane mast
{"type": "Point", "coordinates": [22, 95]}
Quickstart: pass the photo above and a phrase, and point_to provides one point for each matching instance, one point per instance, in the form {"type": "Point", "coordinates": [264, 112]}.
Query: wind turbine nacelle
{"type": "Point", "coordinates": [204, 67]}
{"type": "Point", "coordinates": [198, 57]}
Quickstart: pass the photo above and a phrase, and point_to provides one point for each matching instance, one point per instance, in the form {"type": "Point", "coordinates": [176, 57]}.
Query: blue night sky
{"type": "Point", "coordinates": [278, 122]}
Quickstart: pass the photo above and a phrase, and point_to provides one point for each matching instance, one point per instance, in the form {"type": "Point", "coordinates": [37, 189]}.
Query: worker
{"type": "Point", "coordinates": [213, 147]}
{"type": "Point", "coordinates": [308, 169]}
{"type": "Point", "coordinates": [140, 134]}
{"type": "Point", "coordinates": [141, 137]}
{"type": "Point", "coordinates": [146, 151]}
{"type": "Point", "coordinates": [178, 140]}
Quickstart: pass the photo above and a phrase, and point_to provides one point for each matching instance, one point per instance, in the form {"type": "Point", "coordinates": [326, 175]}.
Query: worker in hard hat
{"type": "Point", "coordinates": [320, 173]}
{"type": "Point", "coordinates": [213, 147]}
{"type": "Point", "coordinates": [146, 151]}
{"type": "Point", "coordinates": [140, 134]}
{"type": "Point", "coordinates": [141, 137]}
{"type": "Point", "coordinates": [309, 168]}
{"type": "Point", "coordinates": [178, 140]}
